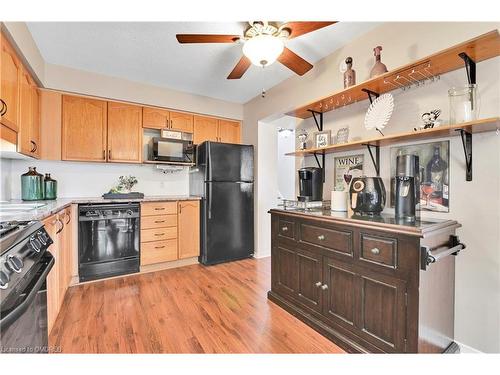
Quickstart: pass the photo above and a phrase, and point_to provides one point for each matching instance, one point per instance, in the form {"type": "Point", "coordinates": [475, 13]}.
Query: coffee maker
{"type": "Point", "coordinates": [407, 187]}
{"type": "Point", "coordinates": [310, 184]}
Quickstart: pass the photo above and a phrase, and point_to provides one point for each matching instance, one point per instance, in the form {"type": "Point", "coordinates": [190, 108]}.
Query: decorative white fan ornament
{"type": "Point", "coordinates": [379, 113]}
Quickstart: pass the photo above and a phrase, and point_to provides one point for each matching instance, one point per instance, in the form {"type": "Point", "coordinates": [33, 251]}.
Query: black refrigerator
{"type": "Point", "coordinates": [223, 177]}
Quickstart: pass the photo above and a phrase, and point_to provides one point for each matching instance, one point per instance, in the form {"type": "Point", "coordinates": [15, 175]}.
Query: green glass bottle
{"type": "Point", "coordinates": [32, 185]}
{"type": "Point", "coordinates": [50, 187]}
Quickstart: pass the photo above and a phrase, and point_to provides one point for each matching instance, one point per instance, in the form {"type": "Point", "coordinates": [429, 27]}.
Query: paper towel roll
{"type": "Point", "coordinates": [339, 200]}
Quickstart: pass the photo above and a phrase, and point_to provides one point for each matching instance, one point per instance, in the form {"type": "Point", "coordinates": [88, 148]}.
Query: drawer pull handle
{"type": "Point", "coordinates": [318, 284]}
{"type": "Point", "coordinates": [159, 234]}
{"type": "Point", "coordinates": [321, 237]}
{"type": "Point", "coordinates": [324, 287]}
{"type": "Point", "coordinates": [284, 229]}
{"type": "Point", "coordinates": [159, 247]}
{"type": "Point", "coordinates": [375, 251]}
{"type": "Point", "coordinates": [159, 221]}
{"type": "Point", "coordinates": [159, 208]}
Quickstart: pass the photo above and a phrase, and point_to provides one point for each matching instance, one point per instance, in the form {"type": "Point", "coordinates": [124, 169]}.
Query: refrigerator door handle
{"type": "Point", "coordinates": [209, 202]}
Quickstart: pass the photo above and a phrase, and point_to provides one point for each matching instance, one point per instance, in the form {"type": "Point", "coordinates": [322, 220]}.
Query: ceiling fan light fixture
{"type": "Point", "coordinates": [263, 49]}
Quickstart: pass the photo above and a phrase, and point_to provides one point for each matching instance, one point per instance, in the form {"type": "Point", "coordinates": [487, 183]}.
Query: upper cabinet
{"type": "Point", "coordinates": [35, 130]}
{"type": "Point", "coordinates": [229, 131]}
{"type": "Point", "coordinates": [124, 133]}
{"type": "Point", "coordinates": [182, 122]}
{"type": "Point", "coordinates": [10, 68]}
{"type": "Point", "coordinates": [84, 127]}
{"type": "Point", "coordinates": [205, 129]}
{"type": "Point", "coordinates": [157, 118]}
{"type": "Point", "coordinates": [29, 117]}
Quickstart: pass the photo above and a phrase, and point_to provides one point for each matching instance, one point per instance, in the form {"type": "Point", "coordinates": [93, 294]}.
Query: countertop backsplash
{"type": "Point", "coordinates": [78, 179]}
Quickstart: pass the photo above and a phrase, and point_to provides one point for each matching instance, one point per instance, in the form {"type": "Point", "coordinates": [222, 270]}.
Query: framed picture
{"type": "Point", "coordinates": [434, 161]}
{"type": "Point", "coordinates": [347, 167]}
{"type": "Point", "coordinates": [322, 139]}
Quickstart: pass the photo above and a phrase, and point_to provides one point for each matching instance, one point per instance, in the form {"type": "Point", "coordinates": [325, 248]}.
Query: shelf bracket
{"type": "Point", "coordinates": [319, 124]}
{"type": "Point", "coordinates": [370, 93]}
{"type": "Point", "coordinates": [470, 67]}
{"type": "Point", "coordinates": [376, 158]}
{"type": "Point", "coordinates": [467, 144]}
{"type": "Point", "coordinates": [321, 164]}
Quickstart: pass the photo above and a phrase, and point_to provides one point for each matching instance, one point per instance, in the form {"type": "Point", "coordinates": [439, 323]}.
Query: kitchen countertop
{"type": "Point", "coordinates": [385, 221]}
{"type": "Point", "coordinates": [51, 207]}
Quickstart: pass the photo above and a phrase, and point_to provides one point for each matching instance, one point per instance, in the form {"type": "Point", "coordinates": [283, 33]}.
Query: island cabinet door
{"type": "Point", "coordinates": [382, 314]}
{"type": "Point", "coordinates": [309, 279]}
{"type": "Point", "coordinates": [284, 271]}
{"type": "Point", "coordinates": [340, 292]}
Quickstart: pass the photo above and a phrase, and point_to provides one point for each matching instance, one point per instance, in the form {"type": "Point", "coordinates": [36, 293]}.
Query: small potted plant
{"type": "Point", "coordinates": [125, 184]}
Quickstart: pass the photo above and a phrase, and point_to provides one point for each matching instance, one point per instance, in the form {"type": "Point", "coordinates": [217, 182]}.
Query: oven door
{"type": "Point", "coordinates": [23, 325]}
{"type": "Point", "coordinates": [173, 150]}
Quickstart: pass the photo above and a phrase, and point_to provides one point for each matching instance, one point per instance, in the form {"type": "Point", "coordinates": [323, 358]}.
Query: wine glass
{"type": "Point", "coordinates": [347, 178]}
{"type": "Point", "coordinates": [427, 190]}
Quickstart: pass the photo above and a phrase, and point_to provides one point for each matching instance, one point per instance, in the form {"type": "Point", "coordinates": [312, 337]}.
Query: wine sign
{"type": "Point", "coordinates": [434, 160]}
{"type": "Point", "coordinates": [347, 167]}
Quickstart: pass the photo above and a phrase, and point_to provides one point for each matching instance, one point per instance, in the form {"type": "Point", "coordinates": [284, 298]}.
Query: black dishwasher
{"type": "Point", "coordinates": [108, 240]}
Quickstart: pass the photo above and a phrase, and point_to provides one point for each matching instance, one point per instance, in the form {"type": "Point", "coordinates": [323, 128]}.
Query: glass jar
{"type": "Point", "coordinates": [50, 187]}
{"type": "Point", "coordinates": [463, 104]}
{"type": "Point", "coordinates": [32, 185]}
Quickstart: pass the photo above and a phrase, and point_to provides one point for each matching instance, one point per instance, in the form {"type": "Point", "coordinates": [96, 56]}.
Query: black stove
{"type": "Point", "coordinates": [24, 265]}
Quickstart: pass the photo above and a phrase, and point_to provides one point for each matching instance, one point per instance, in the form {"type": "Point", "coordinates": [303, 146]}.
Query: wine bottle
{"type": "Point", "coordinates": [435, 170]}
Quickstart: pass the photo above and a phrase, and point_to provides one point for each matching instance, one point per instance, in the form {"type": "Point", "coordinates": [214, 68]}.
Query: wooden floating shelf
{"type": "Point", "coordinates": [483, 47]}
{"type": "Point", "coordinates": [477, 126]}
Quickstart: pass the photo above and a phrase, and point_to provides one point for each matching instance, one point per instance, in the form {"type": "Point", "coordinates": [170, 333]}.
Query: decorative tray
{"type": "Point", "coordinates": [131, 195]}
{"type": "Point", "coordinates": [296, 205]}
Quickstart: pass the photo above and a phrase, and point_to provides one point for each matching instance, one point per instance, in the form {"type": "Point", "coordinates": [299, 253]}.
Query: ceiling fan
{"type": "Point", "coordinates": [263, 43]}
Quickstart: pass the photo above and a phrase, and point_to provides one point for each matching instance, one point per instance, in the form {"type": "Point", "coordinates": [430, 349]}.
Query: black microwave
{"type": "Point", "coordinates": [172, 150]}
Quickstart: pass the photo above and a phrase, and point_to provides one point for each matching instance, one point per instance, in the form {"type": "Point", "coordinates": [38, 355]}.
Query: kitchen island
{"type": "Point", "coordinates": [369, 283]}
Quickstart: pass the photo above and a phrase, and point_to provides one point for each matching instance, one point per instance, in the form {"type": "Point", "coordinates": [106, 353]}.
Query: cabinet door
{"type": "Point", "coordinates": [63, 256]}
{"type": "Point", "coordinates": [383, 311]}
{"type": "Point", "coordinates": [35, 122]}
{"type": "Point", "coordinates": [340, 297]}
{"type": "Point", "coordinates": [205, 129]}
{"type": "Point", "coordinates": [182, 122]}
{"type": "Point", "coordinates": [284, 271]}
{"type": "Point", "coordinates": [124, 133]}
{"type": "Point", "coordinates": [229, 131]}
{"type": "Point", "coordinates": [309, 279]}
{"type": "Point", "coordinates": [51, 226]}
{"type": "Point", "coordinates": [10, 79]}
{"type": "Point", "coordinates": [84, 123]}
{"type": "Point", "coordinates": [50, 123]}
{"type": "Point", "coordinates": [155, 118]}
{"type": "Point", "coordinates": [25, 145]}
{"type": "Point", "coordinates": [189, 229]}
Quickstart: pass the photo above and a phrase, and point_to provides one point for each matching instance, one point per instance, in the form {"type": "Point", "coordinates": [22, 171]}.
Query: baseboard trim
{"type": "Point", "coordinates": [466, 349]}
{"type": "Point", "coordinates": [261, 256]}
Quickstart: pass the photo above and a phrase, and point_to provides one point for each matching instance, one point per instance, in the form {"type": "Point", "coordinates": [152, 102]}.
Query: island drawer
{"type": "Point", "coordinates": [286, 228]}
{"type": "Point", "coordinates": [334, 239]}
{"type": "Point", "coordinates": [158, 252]}
{"type": "Point", "coordinates": [158, 208]}
{"type": "Point", "coordinates": [158, 234]}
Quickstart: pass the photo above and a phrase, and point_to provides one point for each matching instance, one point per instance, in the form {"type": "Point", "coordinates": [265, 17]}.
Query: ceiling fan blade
{"type": "Point", "coordinates": [206, 38]}
{"type": "Point", "coordinates": [303, 27]}
{"type": "Point", "coordinates": [294, 62]}
{"type": "Point", "coordinates": [240, 68]}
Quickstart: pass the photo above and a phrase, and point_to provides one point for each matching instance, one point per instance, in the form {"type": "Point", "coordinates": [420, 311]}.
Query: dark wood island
{"type": "Point", "coordinates": [369, 284]}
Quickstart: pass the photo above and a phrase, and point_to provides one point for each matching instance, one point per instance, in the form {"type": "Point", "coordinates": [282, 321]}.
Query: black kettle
{"type": "Point", "coordinates": [367, 195]}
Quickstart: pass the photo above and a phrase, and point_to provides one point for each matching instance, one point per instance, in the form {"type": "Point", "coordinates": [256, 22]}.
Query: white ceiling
{"type": "Point", "coordinates": [148, 52]}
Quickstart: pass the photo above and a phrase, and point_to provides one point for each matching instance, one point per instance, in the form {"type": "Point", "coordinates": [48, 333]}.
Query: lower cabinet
{"type": "Point", "coordinates": [359, 286]}
{"type": "Point", "coordinates": [59, 278]}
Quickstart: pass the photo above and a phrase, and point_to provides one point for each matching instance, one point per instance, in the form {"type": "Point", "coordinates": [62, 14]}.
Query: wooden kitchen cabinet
{"type": "Point", "coordinates": [124, 138]}
{"type": "Point", "coordinates": [189, 229]}
{"type": "Point", "coordinates": [50, 124]}
{"type": "Point", "coordinates": [84, 129]}
{"type": "Point", "coordinates": [205, 129]}
{"type": "Point", "coordinates": [363, 284]}
{"type": "Point", "coordinates": [10, 69]}
{"type": "Point", "coordinates": [229, 131]}
{"type": "Point", "coordinates": [155, 118]}
{"type": "Point", "coordinates": [29, 117]}
{"type": "Point", "coordinates": [182, 122]}
{"type": "Point", "coordinates": [35, 130]}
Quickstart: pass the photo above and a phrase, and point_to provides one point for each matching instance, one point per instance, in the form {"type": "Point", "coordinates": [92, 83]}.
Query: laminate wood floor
{"type": "Point", "coordinates": [192, 309]}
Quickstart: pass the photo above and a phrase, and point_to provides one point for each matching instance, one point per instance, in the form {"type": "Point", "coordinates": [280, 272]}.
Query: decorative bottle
{"type": "Point", "coordinates": [379, 68]}
{"type": "Point", "coordinates": [435, 170]}
{"type": "Point", "coordinates": [349, 74]}
{"type": "Point", "coordinates": [50, 187]}
{"type": "Point", "coordinates": [32, 185]}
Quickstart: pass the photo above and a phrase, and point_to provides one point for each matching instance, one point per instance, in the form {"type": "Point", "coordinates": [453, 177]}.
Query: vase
{"type": "Point", "coordinates": [32, 185]}
{"type": "Point", "coordinates": [50, 187]}
{"type": "Point", "coordinates": [379, 68]}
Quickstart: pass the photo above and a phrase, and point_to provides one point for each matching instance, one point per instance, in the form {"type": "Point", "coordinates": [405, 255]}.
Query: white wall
{"type": "Point", "coordinates": [286, 170]}
{"type": "Point", "coordinates": [5, 179]}
{"type": "Point", "coordinates": [475, 204]}
{"type": "Point", "coordinates": [93, 179]}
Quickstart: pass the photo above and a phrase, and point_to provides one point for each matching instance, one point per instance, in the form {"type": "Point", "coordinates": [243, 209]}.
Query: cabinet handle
{"type": "Point", "coordinates": [34, 146]}
{"type": "Point", "coordinates": [375, 251]}
{"type": "Point", "coordinates": [324, 287]}
{"type": "Point", "coordinates": [3, 111]}
{"type": "Point", "coordinates": [159, 221]}
{"type": "Point", "coordinates": [321, 237]}
{"type": "Point", "coordinates": [171, 124]}
{"type": "Point", "coordinates": [180, 208]}
{"type": "Point", "coordinates": [69, 218]}
{"type": "Point", "coordinates": [284, 229]}
{"type": "Point", "coordinates": [109, 154]}
{"type": "Point", "coordinates": [159, 234]}
{"type": "Point", "coordinates": [62, 226]}
{"type": "Point", "coordinates": [104, 154]}
{"type": "Point", "coordinates": [318, 284]}
{"type": "Point", "coordinates": [159, 208]}
{"type": "Point", "coordinates": [159, 247]}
